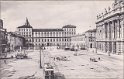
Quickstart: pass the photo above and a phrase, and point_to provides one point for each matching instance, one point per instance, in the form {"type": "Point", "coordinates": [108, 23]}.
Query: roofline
{"type": "Point", "coordinates": [116, 14]}
{"type": "Point", "coordinates": [35, 30]}
{"type": "Point", "coordinates": [24, 27]}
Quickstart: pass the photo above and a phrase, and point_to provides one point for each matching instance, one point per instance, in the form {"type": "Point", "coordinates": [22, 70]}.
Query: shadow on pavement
{"type": "Point", "coordinates": [59, 75]}
{"type": "Point", "coordinates": [99, 54]}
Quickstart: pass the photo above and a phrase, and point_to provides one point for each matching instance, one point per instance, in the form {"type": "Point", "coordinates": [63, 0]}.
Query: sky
{"type": "Point", "coordinates": [52, 14]}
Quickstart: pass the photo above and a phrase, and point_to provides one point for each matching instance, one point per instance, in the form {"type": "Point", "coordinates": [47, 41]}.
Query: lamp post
{"type": "Point", "coordinates": [41, 48]}
{"type": "Point", "coordinates": [40, 57]}
{"type": "Point", "coordinates": [96, 45]}
{"type": "Point", "coordinates": [96, 49]}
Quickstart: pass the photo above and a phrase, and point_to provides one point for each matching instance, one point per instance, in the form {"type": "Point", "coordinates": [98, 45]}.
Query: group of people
{"type": "Point", "coordinates": [61, 58]}
{"type": "Point", "coordinates": [94, 59]}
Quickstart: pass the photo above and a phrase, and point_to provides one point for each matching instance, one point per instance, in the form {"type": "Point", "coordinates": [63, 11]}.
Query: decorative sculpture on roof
{"type": "Point", "coordinates": [105, 11]}
{"type": "Point", "coordinates": [27, 22]}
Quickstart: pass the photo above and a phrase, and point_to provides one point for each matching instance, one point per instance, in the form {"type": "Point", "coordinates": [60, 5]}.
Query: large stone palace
{"type": "Point", "coordinates": [110, 29]}
{"type": "Point", "coordinates": [49, 37]}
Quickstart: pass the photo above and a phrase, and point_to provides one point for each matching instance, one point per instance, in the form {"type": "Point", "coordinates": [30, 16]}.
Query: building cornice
{"type": "Point", "coordinates": [117, 14]}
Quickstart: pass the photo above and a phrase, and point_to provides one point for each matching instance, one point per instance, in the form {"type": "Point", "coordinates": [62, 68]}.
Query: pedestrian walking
{"type": "Point", "coordinates": [99, 58]}
{"type": "Point", "coordinates": [54, 58]}
{"type": "Point", "coordinates": [94, 59]}
{"type": "Point", "coordinates": [90, 59]}
{"type": "Point", "coordinates": [108, 53]}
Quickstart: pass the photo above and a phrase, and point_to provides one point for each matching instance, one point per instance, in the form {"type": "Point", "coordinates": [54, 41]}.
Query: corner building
{"type": "Point", "coordinates": [110, 29]}
{"type": "Point", "coordinates": [3, 38]}
{"type": "Point", "coordinates": [90, 39]}
{"type": "Point", "coordinates": [15, 41]}
{"type": "Point", "coordinates": [49, 37]}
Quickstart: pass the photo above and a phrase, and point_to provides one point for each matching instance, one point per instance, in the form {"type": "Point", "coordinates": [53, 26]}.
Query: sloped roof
{"type": "Point", "coordinates": [69, 26]}
{"type": "Point", "coordinates": [24, 26]}
{"type": "Point", "coordinates": [41, 30]}
{"type": "Point", "coordinates": [91, 30]}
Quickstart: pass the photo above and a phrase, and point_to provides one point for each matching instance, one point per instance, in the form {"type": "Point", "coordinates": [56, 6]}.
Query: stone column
{"type": "Point", "coordinates": [114, 30]}
{"type": "Point", "coordinates": [109, 36]}
{"type": "Point", "coordinates": [118, 36]}
{"type": "Point", "coordinates": [105, 46]}
{"type": "Point", "coordinates": [122, 23]}
{"type": "Point", "coordinates": [122, 33]}
{"type": "Point", "coordinates": [119, 28]}
{"type": "Point", "coordinates": [113, 35]}
{"type": "Point", "coordinates": [106, 30]}
{"type": "Point", "coordinates": [110, 28]}
{"type": "Point", "coordinates": [106, 36]}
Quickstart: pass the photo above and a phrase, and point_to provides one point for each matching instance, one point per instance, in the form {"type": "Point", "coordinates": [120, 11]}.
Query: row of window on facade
{"type": "Point", "coordinates": [68, 29]}
{"type": "Point", "coordinates": [52, 33]}
{"type": "Point", "coordinates": [25, 29]}
{"type": "Point", "coordinates": [25, 33]}
{"type": "Point", "coordinates": [91, 34]}
{"type": "Point", "coordinates": [51, 40]}
{"type": "Point", "coordinates": [78, 39]}
{"type": "Point", "coordinates": [45, 34]}
{"type": "Point", "coordinates": [64, 44]}
{"type": "Point", "coordinates": [91, 39]}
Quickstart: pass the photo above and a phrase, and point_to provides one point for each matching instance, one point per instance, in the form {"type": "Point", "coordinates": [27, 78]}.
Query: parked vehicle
{"type": "Point", "coordinates": [67, 48]}
{"type": "Point", "coordinates": [82, 48]}
{"type": "Point", "coordinates": [21, 56]}
{"type": "Point", "coordinates": [72, 49]}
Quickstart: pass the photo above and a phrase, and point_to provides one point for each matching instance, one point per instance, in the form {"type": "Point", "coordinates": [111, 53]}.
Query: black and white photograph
{"type": "Point", "coordinates": [61, 39]}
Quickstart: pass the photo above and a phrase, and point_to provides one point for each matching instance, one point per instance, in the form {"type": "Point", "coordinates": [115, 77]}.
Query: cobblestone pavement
{"type": "Point", "coordinates": [80, 66]}
{"type": "Point", "coordinates": [22, 68]}
{"type": "Point", "coordinates": [75, 67]}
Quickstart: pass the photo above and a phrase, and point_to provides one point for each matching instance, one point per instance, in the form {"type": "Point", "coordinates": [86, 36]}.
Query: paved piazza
{"type": "Point", "coordinates": [76, 67]}
{"type": "Point", "coordinates": [80, 66]}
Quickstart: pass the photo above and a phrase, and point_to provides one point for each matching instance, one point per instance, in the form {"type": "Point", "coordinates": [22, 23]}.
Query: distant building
{"type": "Point", "coordinates": [79, 41]}
{"type": "Point", "coordinates": [110, 29]}
{"type": "Point", "coordinates": [90, 39]}
{"type": "Point", "coordinates": [15, 41]}
{"type": "Point", "coordinates": [48, 37]}
{"type": "Point", "coordinates": [3, 38]}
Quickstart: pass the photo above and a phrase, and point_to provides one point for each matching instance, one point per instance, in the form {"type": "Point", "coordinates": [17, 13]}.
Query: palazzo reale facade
{"type": "Point", "coordinates": [110, 29]}
{"type": "Point", "coordinates": [49, 37]}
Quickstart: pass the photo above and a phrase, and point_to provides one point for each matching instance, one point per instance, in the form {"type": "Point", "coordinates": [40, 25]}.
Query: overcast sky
{"type": "Point", "coordinates": [52, 14]}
